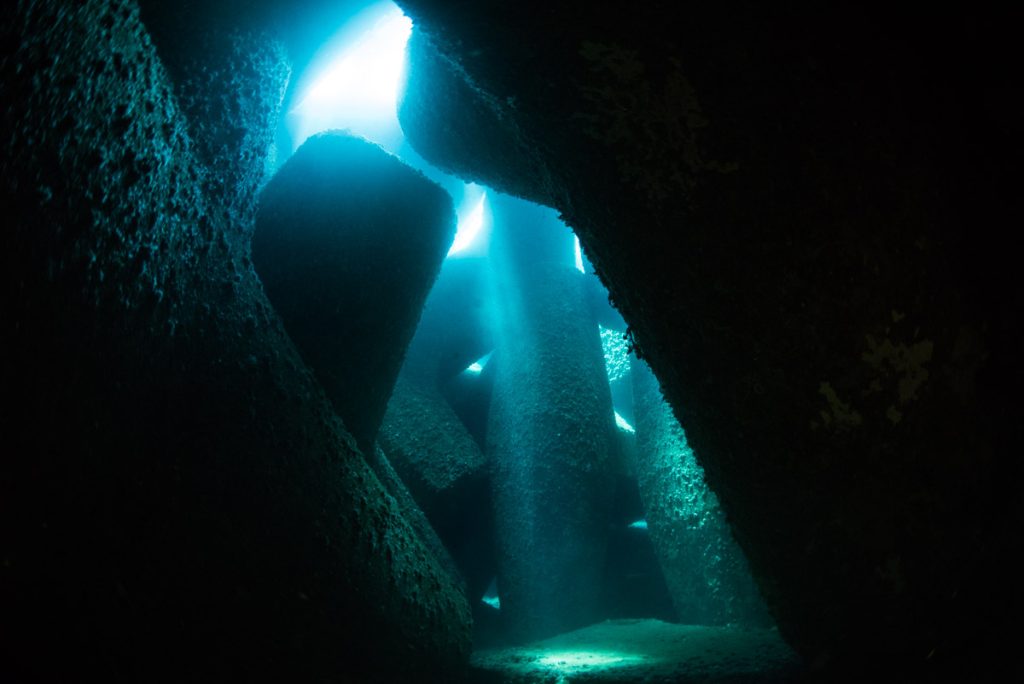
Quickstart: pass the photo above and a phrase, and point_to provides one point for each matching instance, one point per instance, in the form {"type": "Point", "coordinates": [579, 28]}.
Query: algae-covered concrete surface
{"type": "Point", "coordinates": [642, 651]}
{"type": "Point", "coordinates": [704, 569]}
{"type": "Point", "coordinates": [431, 450]}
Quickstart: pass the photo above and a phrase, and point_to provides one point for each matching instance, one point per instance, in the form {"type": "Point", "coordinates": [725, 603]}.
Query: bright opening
{"type": "Point", "coordinates": [638, 525]}
{"type": "Point", "coordinates": [491, 597]}
{"type": "Point", "coordinates": [357, 86]}
{"type": "Point", "coordinates": [622, 424]}
{"type": "Point", "coordinates": [477, 366]}
{"type": "Point", "coordinates": [579, 256]}
{"type": "Point", "coordinates": [472, 216]}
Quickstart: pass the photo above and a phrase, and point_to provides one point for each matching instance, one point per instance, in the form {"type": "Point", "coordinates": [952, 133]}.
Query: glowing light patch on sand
{"type": "Point", "coordinates": [622, 424]}
{"type": "Point", "coordinates": [580, 661]}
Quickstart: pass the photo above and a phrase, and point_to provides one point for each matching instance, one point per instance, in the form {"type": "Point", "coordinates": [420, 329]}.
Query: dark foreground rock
{"type": "Point", "coordinates": [799, 214]}
{"type": "Point", "coordinates": [348, 242]}
{"type": "Point", "coordinates": [640, 651]}
{"type": "Point", "coordinates": [178, 501]}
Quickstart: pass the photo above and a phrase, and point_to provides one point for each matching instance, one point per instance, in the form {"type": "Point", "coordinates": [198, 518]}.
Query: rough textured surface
{"type": "Point", "coordinates": [549, 438]}
{"type": "Point", "coordinates": [229, 81]}
{"type": "Point", "coordinates": [705, 571]}
{"type": "Point", "coordinates": [301, 30]}
{"type": "Point", "coordinates": [463, 129]}
{"type": "Point", "coordinates": [348, 242]}
{"type": "Point", "coordinates": [642, 651]}
{"type": "Point", "coordinates": [447, 476]}
{"type": "Point", "coordinates": [432, 451]}
{"type": "Point", "coordinates": [178, 500]}
{"type": "Point", "coordinates": [413, 514]}
{"type": "Point", "coordinates": [798, 212]}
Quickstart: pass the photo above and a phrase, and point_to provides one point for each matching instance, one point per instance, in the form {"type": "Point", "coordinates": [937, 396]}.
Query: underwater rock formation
{"type": "Point", "coordinates": [178, 500]}
{"type": "Point", "coordinates": [704, 569]}
{"type": "Point", "coordinates": [442, 464]}
{"type": "Point", "coordinates": [348, 242]}
{"type": "Point", "coordinates": [348, 273]}
{"type": "Point", "coordinates": [301, 30]}
{"type": "Point", "coordinates": [229, 81]}
{"type": "Point", "coordinates": [413, 514]}
{"type": "Point", "coordinates": [432, 452]}
{"type": "Point", "coordinates": [549, 438]}
{"type": "Point", "coordinates": [446, 474]}
{"type": "Point", "coordinates": [798, 213]}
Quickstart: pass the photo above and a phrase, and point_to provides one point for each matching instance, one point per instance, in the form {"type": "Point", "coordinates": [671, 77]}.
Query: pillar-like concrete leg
{"type": "Point", "coordinates": [549, 435]}
{"type": "Point", "coordinates": [705, 571]}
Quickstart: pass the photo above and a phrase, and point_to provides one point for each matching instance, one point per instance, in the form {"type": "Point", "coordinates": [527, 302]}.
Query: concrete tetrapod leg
{"type": "Point", "coordinates": [445, 472]}
{"type": "Point", "coordinates": [348, 242]}
{"type": "Point", "coordinates": [549, 436]}
{"type": "Point", "coordinates": [429, 446]}
{"type": "Point", "coordinates": [180, 502]}
{"type": "Point", "coordinates": [431, 450]}
{"type": "Point", "coordinates": [229, 79]}
{"type": "Point", "coordinates": [425, 439]}
{"type": "Point", "coordinates": [706, 572]}
{"type": "Point", "coordinates": [413, 514]}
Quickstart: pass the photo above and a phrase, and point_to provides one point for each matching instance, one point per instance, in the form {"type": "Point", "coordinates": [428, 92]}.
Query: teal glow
{"type": "Point", "coordinates": [622, 424]}
{"type": "Point", "coordinates": [472, 217]}
{"type": "Point", "coordinates": [477, 366]}
{"type": "Point", "coordinates": [491, 597]}
{"type": "Point", "coordinates": [616, 353]}
{"type": "Point", "coordinates": [638, 525]}
{"type": "Point", "coordinates": [579, 256]}
{"type": "Point", "coordinates": [355, 81]}
{"type": "Point", "coordinates": [582, 661]}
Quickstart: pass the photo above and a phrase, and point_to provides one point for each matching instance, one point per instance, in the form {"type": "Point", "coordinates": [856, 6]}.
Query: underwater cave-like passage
{"type": "Point", "coordinates": [550, 431]}
{"type": "Point", "coordinates": [551, 440]}
{"type": "Point", "coordinates": [557, 443]}
{"type": "Point", "coordinates": [558, 433]}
